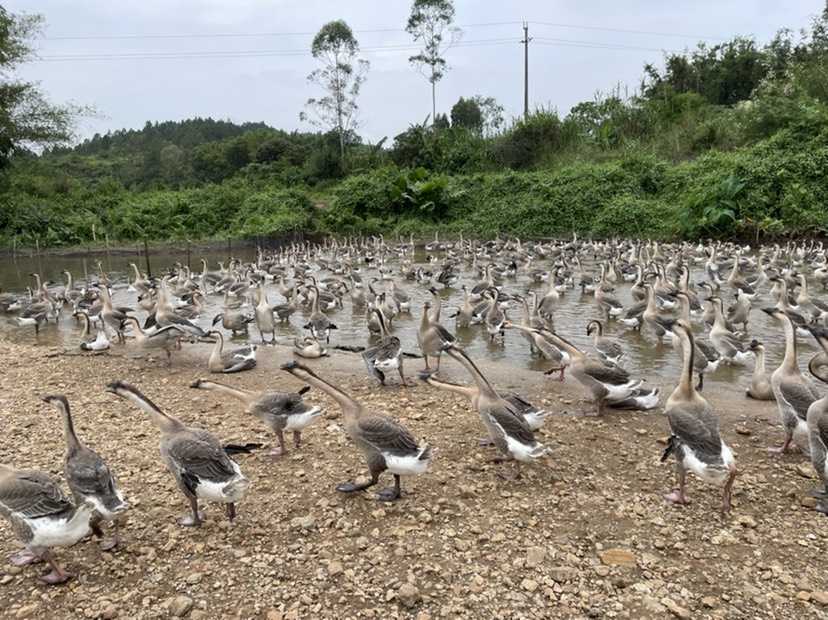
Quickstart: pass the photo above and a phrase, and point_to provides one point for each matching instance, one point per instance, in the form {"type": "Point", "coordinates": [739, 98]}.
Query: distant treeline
{"type": "Point", "coordinates": [722, 141]}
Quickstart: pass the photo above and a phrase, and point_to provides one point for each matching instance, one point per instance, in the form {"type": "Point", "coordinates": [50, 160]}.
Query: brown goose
{"type": "Point", "coordinates": [309, 347]}
{"type": "Point", "coordinates": [534, 416]}
{"type": "Point", "coordinates": [695, 440]}
{"type": "Point", "coordinates": [280, 411]}
{"type": "Point", "coordinates": [607, 349]}
{"type": "Point", "coordinates": [41, 516]}
{"type": "Point", "coordinates": [385, 443]}
{"type": "Point", "coordinates": [794, 391]}
{"type": "Point", "coordinates": [319, 324]}
{"type": "Point", "coordinates": [195, 457]}
{"type": "Point", "coordinates": [263, 315]}
{"type": "Point", "coordinates": [432, 336]}
{"type": "Point", "coordinates": [237, 360]}
{"type": "Point", "coordinates": [88, 341]}
{"type": "Point", "coordinates": [760, 385]}
{"type": "Point", "coordinates": [237, 323]}
{"type": "Point", "coordinates": [386, 355]}
{"type": "Point", "coordinates": [817, 421]}
{"type": "Point", "coordinates": [508, 430]}
{"type": "Point", "coordinates": [165, 338]}
{"type": "Point", "coordinates": [89, 477]}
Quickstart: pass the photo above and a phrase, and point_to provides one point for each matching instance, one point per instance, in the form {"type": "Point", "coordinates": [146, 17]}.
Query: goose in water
{"type": "Point", "coordinates": [508, 430]}
{"type": "Point", "coordinates": [386, 355]}
{"type": "Point", "coordinates": [695, 440]}
{"type": "Point", "coordinates": [41, 516]}
{"type": "Point", "coordinates": [280, 411]}
{"type": "Point", "coordinates": [432, 336]}
{"type": "Point", "coordinates": [319, 324]}
{"type": "Point", "coordinates": [236, 360]}
{"type": "Point", "coordinates": [385, 443]}
{"type": "Point", "coordinates": [89, 477]}
{"type": "Point", "coordinates": [236, 323]}
{"type": "Point", "coordinates": [194, 456]}
{"type": "Point", "coordinates": [607, 349]}
{"type": "Point", "coordinates": [794, 391]}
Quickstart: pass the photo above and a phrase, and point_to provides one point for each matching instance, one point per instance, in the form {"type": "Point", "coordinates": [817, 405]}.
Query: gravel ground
{"type": "Point", "coordinates": [584, 533]}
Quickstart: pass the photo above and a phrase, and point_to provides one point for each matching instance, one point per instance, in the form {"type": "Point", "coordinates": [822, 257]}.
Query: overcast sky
{"type": "Point", "coordinates": [248, 60]}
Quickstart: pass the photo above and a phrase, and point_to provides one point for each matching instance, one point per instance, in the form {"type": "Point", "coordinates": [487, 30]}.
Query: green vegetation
{"type": "Point", "coordinates": [724, 141]}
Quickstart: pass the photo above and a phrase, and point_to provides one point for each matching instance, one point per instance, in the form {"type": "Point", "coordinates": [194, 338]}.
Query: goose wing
{"type": "Point", "coordinates": [697, 428]}
{"type": "Point", "coordinates": [798, 395]}
{"type": "Point", "coordinates": [608, 374]}
{"type": "Point", "coordinates": [33, 495]}
{"type": "Point", "coordinates": [512, 424]}
{"type": "Point", "coordinates": [387, 435]}
{"type": "Point", "coordinates": [199, 453]}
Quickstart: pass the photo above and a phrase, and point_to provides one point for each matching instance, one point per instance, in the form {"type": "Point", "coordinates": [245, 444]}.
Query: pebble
{"type": "Point", "coordinates": [180, 606]}
{"type": "Point", "coordinates": [535, 556]}
{"type": "Point", "coordinates": [408, 595]}
{"type": "Point", "coordinates": [619, 557]}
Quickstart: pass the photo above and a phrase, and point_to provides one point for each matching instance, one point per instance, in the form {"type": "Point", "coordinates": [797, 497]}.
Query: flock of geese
{"type": "Point", "coordinates": [375, 277]}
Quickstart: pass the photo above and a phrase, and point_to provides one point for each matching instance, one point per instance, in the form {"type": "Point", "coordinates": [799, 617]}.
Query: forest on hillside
{"type": "Point", "coordinates": [721, 141]}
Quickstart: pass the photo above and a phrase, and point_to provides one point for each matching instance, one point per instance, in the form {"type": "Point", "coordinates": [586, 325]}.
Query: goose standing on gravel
{"type": "Point", "coordinates": [385, 443]}
{"type": "Point", "coordinates": [280, 411]}
{"type": "Point", "coordinates": [760, 385]}
{"type": "Point", "coordinates": [89, 477]}
{"type": "Point", "coordinates": [817, 421]}
{"type": "Point", "coordinates": [166, 338]}
{"type": "Point", "coordinates": [794, 391]}
{"type": "Point", "coordinates": [508, 430]}
{"type": "Point", "coordinates": [386, 355]}
{"type": "Point", "coordinates": [309, 347]}
{"type": "Point", "coordinates": [695, 440]}
{"type": "Point", "coordinates": [41, 516]}
{"type": "Point", "coordinates": [195, 457]}
{"type": "Point", "coordinates": [237, 360]}
{"type": "Point", "coordinates": [532, 415]}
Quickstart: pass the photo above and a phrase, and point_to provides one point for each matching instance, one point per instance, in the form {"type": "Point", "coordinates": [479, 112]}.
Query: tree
{"type": "Point", "coordinates": [27, 119]}
{"type": "Point", "coordinates": [430, 24]}
{"type": "Point", "coordinates": [341, 78]}
{"type": "Point", "coordinates": [466, 113]}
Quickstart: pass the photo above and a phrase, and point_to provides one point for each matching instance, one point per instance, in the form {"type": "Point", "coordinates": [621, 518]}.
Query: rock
{"type": "Point", "coordinates": [334, 568]}
{"type": "Point", "coordinates": [746, 521]}
{"type": "Point", "coordinates": [618, 557]}
{"type": "Point", "coordinates": [273, 615]}
{"type": "Point", "coordinates": [27, 611]}
{"type": "Point", "coordinates": [408, 595]}
{"type": "Point", "coordinates": [708, 601]}
{"type": "Point", "coordinates": [806, 471]}
{"type": "Point", "coordinates": [562, 574]}
{"type": "Point", "coordinates": [110, 612]}
{"type": "Point", "coordinates": [530, 585]}
{"type": "Point", "coordinates": [809, 502]}
{"type": "Point", "coordinates": [194, 578]}
{"type": "Point", "coordinates": [180, 606]}
{"type": "Point", "coordinates": [676, 610]}
{"type": "Point", "coordinates": [818, 596]}
{"type": "Point", "coordinates": [303, 523]}
{"type": "Point", "coordinates": [535, 556]}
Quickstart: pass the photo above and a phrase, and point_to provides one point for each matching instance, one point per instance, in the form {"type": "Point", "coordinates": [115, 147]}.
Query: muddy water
{"type": "Point", "coordinates": [647, 358]}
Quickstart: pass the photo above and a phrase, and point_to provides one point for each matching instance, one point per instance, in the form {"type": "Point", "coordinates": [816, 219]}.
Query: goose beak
{"type": "Point", "coordinates": [196, 383]}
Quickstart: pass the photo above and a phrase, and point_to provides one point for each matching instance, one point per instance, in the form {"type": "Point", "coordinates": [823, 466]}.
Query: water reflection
{"type": "Point", "coordinates": [646, 357]}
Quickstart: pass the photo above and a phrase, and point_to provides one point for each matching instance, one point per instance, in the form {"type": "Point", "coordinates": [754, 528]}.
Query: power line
{"type": "Point", "coordinates": [645, 32]}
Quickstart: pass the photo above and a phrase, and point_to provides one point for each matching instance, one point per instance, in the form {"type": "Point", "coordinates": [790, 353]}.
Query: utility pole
{"type": "Point", "coordinates": [525, 42]}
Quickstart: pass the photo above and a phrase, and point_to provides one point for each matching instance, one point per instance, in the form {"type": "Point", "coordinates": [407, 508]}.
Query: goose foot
{"type": "Point", "coordinates": [56, 576]}
{"type": "Point", "coordinates": [388, 495]}
{"type": "Point", "coordinates": [558, 369]}
{"type": "Point", "coordinates": [24, 558]}
{"type": "Point", "coordinates": [819, 494]}
{"type": "Point", "coordinates": [192, 521]}
{"type": "Point", "coordinates": [509, 474]}
{"type": "Point", "coordinates": [350, 487]}
{"type": "Point", "coordinates": [276, 451]}
{"type": "Point", "coordinates": [108, 544]}
{"type": "Point", "coordinates": [677, 497]}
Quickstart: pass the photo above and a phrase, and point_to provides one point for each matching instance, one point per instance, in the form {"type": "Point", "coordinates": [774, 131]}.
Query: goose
{"type": "Point", "coordinates": [237, 323]}
{"type": "Point", "coordinates": [41, 516]}
{"type": "Point", "coordinates": [309, 347]}
{"type": "Point", "coordinates": [814, 308]}
{"type": "Point", "coordinates": [385, 443]}
{"type": "Point", "coordinates": [817, 423]}
{"type": "Point", "coordinates": [280, 411]}
{"type": "Point", "coordinates": [739, 311]}
{"type": "Point", "coordinates": [532, 415]}
{"type": "Point", "coordinates": [386, 355]}
{"type": "Point", "coordinates": [732, 350]}
{"type": "Point", "coordinates": [36, 314]}
{"type": "Point", "coordinates": [236, 360]}
{"type": "Point", "coordinates": [607, 349]}
{"type": "Point", "coordinates": [284, 311]}
{"type": "Point", "coordinates": [549, 303]}
{"type": "Point", "coordinates": [166, 338]}
{"type": "Point", "coordinates": [194, 456]}
{"type": "Point", "coordinates": [650, 316]}
{"type": "Point", "coordinates": [463, 316]}
{"type": "Point", "coordinates": [89, 477]}
{"type": "Point", "coordinates": [760, 385]}
{"type": "Point", "coordinates": [794, 391]}
{"type": "Point", "coordinates": [263, 315]}
{"type": "Point", "coordinates": [494, 317]}
{"type": "Point", "coordinates": [318, 323]}
{"type": "Point", "coordinates": [695, 440]}
{"type": "Point", "coordinates": [607, 383]}
{"type": "Point", "coordinates": [508, 430]}
{"type": "Point", "coordinates": [89, 342]}
{"type": "Point", "coordinates": [547, 349]}
{"type": "Point", "coordinates": [530, 319]}
{"type": "Point", "coordinates": [432, 337]}
{"type": "Point", "coordinates": [165, 314]}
